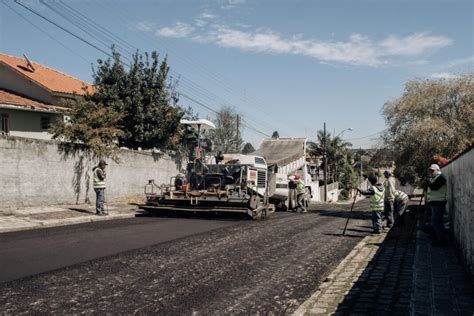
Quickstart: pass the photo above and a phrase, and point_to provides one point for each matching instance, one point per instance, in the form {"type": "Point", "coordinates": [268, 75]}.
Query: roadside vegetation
{"type": "Point", "coordinates": [430, 123]}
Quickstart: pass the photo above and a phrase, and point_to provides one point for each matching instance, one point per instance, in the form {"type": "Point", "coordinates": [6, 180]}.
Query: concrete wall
{"type": "Point", "coordinates": [36, 172]}
{"type": "Point", "coordinates": [24, 123]}
{"type": "Point", "coordinates": [13, 81]}
{"type": "Point", "coordinates": [460, 175]}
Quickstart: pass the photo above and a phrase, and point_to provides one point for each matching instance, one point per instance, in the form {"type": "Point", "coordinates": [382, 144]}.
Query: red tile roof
{"type": "Point", "coordinates": [50, 78]}
{"type": "Point", "coordinates": [8, 98]}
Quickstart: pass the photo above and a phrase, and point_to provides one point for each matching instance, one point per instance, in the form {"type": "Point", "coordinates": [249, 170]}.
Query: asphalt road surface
{"type": "Point", "coordinates": [177, 266]}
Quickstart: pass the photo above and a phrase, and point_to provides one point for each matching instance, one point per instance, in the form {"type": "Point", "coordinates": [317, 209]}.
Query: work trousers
{"type": "Point", "coordinates": [300, 202]}
{"type": "Point", "coordinates": [377, 221]}
{"type": "Point", "coordinates": [99, 200]}
{"type": "Point", "coordinates": [388, 213]}
{"type": "Point", "coordinates": [437, 212]}
{"type": "Point", "coordinates": [399, 210]}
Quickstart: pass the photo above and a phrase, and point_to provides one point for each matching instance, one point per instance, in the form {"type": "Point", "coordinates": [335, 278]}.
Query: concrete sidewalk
{"type": "Point", "coordinates": [50, 216]}
{"type": "Point", "coordinates": [397, 272]}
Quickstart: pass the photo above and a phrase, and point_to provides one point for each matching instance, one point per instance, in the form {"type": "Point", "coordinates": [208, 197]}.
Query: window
{"type": "Point", "coordinates": [45, 122]}
{"type": "Point", "coordinates": [5, 124]}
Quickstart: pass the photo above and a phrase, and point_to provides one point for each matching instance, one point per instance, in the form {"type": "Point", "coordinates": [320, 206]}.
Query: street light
{"type": "Point", "coordinates": [347, 129]}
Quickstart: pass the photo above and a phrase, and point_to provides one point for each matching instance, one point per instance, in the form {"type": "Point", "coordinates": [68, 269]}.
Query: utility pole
{"type": "Point", "coordinates": [237, 139]}
{"type": "Point", "coordinates": [325, 165]}
{"type": "Point", "coordinates": [361, 176]}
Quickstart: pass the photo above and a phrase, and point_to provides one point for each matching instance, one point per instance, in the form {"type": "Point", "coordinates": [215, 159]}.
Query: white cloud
{"type": "Point", "coordinates": [230, 4]}
{"type": "Point", "coordinates": [462, 61]}
{"type": "Point", "coordinates": [444, 75]}
{"type": "Point", "coordinates": [358, 49]}
{"type": "Point", "coordinates": [145, 26]}
{"type": "Point", "coordinates": [414, 44]}
{"type": "Point", "coordinates": [204, 18]}
{"type": "Point", "coordinates": [177, 30]}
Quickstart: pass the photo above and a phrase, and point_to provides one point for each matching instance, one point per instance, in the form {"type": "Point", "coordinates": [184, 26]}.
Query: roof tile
{"type": "Point", "coordinates": [52, 79]}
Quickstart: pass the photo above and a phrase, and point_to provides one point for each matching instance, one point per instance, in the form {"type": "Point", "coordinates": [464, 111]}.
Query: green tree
{"type": "Point", "coordinates": [337, 154]}
{"type": "Point", "coordinates": [146, 97]}
{"type": "Point", "coordinates": [91, 126]}
{"type": "Point", "coordinates": [432, 117]}
{"type": "Point", "coordinates": [227, 135]}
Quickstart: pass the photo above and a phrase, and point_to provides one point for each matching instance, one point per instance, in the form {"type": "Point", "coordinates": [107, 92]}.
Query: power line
{"type": "Point", "coordinates": [62, 28]}
{"type": "Point", "coordinates": [371, 135]}
{"type": "Point", "coordinates": [44, 32]}
{"type": "Point", "coordinates": [106, 53]}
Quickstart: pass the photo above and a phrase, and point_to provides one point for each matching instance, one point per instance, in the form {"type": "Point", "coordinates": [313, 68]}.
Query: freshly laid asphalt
{"type": "Point", "coordinates": [177, 265]}
{"type": "Point", "coordinates": [32, 252]}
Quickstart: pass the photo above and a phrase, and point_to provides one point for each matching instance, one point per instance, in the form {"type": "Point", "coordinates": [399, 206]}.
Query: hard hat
{"type": "Point", "coordinates": [434, 167]}
{"type": "Point", "coordinates": [102, 163]}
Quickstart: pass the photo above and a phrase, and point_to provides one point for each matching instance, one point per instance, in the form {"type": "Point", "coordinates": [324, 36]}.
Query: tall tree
{"type": "Point", "coordinates": [227, 135]}
{"type": "Point", "coordinates": [146, 97]}
{"type": "Point", "coordinates": [93, 126]}
{"type": "Point", "coordinates": [337, 154]}
{"type": "Point", "coordinates": [432, 117]}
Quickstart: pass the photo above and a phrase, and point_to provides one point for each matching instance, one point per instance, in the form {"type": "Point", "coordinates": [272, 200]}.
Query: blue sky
{"type": "Point", "coordinates": [288, 66]}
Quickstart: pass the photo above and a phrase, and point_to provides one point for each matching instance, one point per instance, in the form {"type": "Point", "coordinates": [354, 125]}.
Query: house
{"type": "Point", "coordinates": [31, 95]}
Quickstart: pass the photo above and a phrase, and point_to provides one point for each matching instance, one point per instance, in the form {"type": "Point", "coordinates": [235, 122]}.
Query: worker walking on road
{"type": "Point", "coordinates": [300, 194]}
{"type": "Point", "coordinates": [400, 205]}
{"type": "Point", "coordinates": [99, 187]}
{"type": "Point", "coordinates": [436, 195]}
{"type": "Point", "coordinates": [389, 197]}
{"type": "Point", "coordinates": [376, 197]}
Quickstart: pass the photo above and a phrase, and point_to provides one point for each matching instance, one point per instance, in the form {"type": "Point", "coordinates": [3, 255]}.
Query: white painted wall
{"type": "Point", "coordinates": [460, 179]}
{"type": "Point", "coordinates": [35, 172]}
{"type": "Point", "coordinates": [24, 123]}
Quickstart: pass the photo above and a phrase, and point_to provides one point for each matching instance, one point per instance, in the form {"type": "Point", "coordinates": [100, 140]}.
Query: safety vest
{"type": "Point", "coordinates": [437, 195]}
{"type": "Point", "coordinates": [376, 200]}
{"type": "Point", "coordinates": [98, 184]}
{"type": "Point", "coordinates": [400, 196]}
{"type": "Point", "coordinates": [300, 187]}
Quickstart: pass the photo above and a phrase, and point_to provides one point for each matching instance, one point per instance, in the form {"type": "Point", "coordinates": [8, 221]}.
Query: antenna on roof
{"type": "Point", "coordinates": [29, 65]}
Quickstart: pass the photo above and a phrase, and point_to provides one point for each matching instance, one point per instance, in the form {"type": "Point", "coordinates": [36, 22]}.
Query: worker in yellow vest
{"type": "Point", "coordinates": [436, 196]}
{"type": "Point", "coordinates": [376, 194]}
{"type": "Point", "coordinates": [99, 187]}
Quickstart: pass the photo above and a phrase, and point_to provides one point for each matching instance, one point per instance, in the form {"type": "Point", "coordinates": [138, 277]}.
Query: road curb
{"type": "Point", "coordinates": [322, 301]}
{"type": "Point", "coordinates": [65, 222]}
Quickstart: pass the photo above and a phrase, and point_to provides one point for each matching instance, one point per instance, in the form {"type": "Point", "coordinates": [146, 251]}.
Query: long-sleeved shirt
{"type": "Point", "coordinates": [438, 183]}
{"type": "Point", "coordinates": [370, 191]}
{"type": "Point", "coordinates": [389, 185]}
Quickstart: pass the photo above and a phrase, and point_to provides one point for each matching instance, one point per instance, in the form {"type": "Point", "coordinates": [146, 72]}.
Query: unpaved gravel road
{"type": "Point", "coordinates": [265, 267]}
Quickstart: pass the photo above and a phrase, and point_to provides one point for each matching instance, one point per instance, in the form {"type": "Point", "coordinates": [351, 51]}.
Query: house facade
{"type": "Point", "coordinates": [31, 94]}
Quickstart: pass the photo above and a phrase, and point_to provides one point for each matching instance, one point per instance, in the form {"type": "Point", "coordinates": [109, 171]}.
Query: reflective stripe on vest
{"type": "Point", "coordinates": [300, 187]}
{"type": "Point", "coordinates": [98, 184]}
{"type": "Point", "coordinates": [437, 195]}
{"type": "Point", "coordinates": [376, 200]}
{"type": "Point", "coordinates": [400, 196]}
